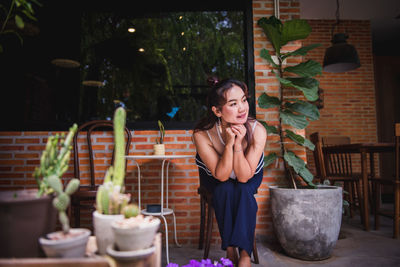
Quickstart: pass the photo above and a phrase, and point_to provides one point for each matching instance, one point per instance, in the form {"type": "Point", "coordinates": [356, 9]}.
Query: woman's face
{"type": "Point", "coordinates": [236, 108]}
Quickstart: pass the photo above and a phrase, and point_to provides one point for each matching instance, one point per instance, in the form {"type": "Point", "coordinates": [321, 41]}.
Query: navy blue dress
{"type": "Point", "coordinates": [235, 206]}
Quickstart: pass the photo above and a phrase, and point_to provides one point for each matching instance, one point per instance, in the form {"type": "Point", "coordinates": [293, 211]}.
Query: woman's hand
{"type": "Point", "coordinates": [230, 137]}
{"type": "Point", "coordinates": [240, 131]}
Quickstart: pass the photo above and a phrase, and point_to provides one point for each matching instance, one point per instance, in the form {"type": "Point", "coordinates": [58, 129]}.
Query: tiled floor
{"type": "Point", "coordinates": [355, 248]}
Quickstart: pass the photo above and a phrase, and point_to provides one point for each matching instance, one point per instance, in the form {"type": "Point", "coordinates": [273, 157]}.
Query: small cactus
{"type": "Point", "coordinates": [110, 198]}
{"type": "Point", "coordinates": [54, 161]}
{"type": "Point", "coordinates": [131, 210]}
{"type": "Point", "coordinates": [53, 164]}
{"type": "Point", "coordinates": [62, 199]}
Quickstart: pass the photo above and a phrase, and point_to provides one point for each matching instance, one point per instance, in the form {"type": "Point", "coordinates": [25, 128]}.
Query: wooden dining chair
{"type": "Point", "coordinates": [394, 184]}
{"type": "Point", "coordinates": [84, 198]}
{"type": "Point", "coordinates": [337, 168]}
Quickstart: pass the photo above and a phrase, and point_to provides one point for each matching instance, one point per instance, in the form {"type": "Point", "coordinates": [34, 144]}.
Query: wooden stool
{"type": "Point", "coordinates": [206, 199]}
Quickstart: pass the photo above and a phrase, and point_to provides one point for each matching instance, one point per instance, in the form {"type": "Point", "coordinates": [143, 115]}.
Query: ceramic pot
{"type": "Point", "coordinates": [135, 237]}
{"type": "Point", "coordinates": [73, 246]}
{"type": "Point", "coordinates": [159, 149]}
{"type": "Point", "coordinates": [307, 221]}
{"type": "Point", "coordinates": [102, 230]}
{"type": "Point", "coordinates": [23, 219]}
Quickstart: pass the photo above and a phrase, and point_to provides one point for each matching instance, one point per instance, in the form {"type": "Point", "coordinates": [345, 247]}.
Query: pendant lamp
{"type": "Point", "coordinates": [341, 56]}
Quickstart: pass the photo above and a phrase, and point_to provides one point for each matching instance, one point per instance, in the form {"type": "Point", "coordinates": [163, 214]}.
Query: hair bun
{"type": "Point", "coordinates": [212, 81]}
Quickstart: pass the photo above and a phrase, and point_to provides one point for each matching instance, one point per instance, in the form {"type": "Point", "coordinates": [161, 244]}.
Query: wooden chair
{"type": "Point", "coordinates": [84, 198]}
{"type": "Point", "coordinates": [337, 168]}
{"type": "Point", "coordinates": [206, 203]}
{"type": "Point", "coordinates": [394, 184]}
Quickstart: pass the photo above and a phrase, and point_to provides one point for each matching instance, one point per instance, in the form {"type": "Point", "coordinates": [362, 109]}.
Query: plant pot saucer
{"type": "Point", "coordinates": [129, 255]}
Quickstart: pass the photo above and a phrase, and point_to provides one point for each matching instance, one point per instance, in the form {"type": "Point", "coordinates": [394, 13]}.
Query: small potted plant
{"type": "Point", "coordinates": [159, 147]}
{"type": "Point", "coordinates": [68, 243]}
{"type": "Point", "coordinates": [27, 214]}
{"type": "Point", "coordinates": [134, 231]}
{"type": "Point", "coordinates": [110, 198]}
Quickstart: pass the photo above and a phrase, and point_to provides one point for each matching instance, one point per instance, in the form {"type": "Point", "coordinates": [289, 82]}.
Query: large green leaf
{"type": "Point", "coordinates": [295, 120]}
{"type": "Point", "coordinates": [269, 159]}
{"type": "Point", "coordinates": [307, 176]}
{"type": "Point", "coordinates": [266, 101]}
{"type": "Point", "coordinates": [300, 139]}
{"type": "Point", "coordinates": [309, 86]}
{"type": "Point", "coordinates": [302, 51]}
{"type": "Point", "coordinates": [294, 29]}
{"type": "Point", "coordinates": [307, 109]}
{"type": "Point", "coordinates": [270, 129]}
{"type": "Point", "coordinates": [309, 68]}
{"type": "Point", "coordinates": [265, 55]}
{"type": "Point", "coordinates": [271, 27]}
{"type": "Point", "coordinates": [299, 166]}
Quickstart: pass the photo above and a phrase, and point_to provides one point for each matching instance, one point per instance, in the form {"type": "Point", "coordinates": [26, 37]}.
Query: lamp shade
{"type": "Point", "coordinates": [341, 56]}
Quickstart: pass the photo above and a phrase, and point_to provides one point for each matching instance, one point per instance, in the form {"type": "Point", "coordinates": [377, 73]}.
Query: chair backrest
{"type": "Point", "coordinates": [89, 128]}
{"type": "Point", "coordinates": [397, 154]}
{"type": "Point", "coordinates": [318, 156]}
{"type": "Point", "coordinates": [338, 164]}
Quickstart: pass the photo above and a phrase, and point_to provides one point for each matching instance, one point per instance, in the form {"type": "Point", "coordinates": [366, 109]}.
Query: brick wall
{"type": "Point", "coordinates": [349, 110]}
{"type": "Point", "coordinates": [349, 98]}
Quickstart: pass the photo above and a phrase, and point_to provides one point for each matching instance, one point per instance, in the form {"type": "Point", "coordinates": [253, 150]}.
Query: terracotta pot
{"type": "Point", "coordinates": [73, 246]}
{"type": "Point", "coordinates": [102, 230]}
{"type": "Point", "coordinates": [159, 149]}
{"type": "Point", "coordinates": [23, 219]}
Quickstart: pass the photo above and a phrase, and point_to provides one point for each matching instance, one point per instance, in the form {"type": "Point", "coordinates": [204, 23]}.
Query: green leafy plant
{"type": "Point", "coordinates": [160, 140]}
{"type": "Point", "coordinates": [54, 160]}
{"type": "Point", "coordinates": [16, 10]}
{"type": "Point", "coordinates": [110, 198]}
{"type": "Point", "coordinates": [293, 112]}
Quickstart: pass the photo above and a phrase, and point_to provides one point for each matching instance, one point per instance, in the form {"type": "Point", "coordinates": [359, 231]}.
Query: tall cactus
{"type": "Point", "coordinates": [110, 198]}
{"type": "Point", "coordinates": [54, 161]}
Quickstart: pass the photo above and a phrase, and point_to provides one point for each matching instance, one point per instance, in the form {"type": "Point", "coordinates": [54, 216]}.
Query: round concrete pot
{"type": "Point", "coordinates": [73, 246]}
{"type": "Point", "coordinates": [103, 231]}
{"type": "Point", "coordinates": [136, 236]}
{"type": "Point", "coordinates": [307, 221]}
{"type": "Point", "coordinates": [23, 219]}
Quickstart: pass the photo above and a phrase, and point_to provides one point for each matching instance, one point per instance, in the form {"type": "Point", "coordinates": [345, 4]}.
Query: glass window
{"type": "Point", "coordinates": [153, 63]}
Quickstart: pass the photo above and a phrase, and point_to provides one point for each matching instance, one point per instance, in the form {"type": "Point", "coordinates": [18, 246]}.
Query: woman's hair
{"type": "Point", "coordinates": [217, 98]}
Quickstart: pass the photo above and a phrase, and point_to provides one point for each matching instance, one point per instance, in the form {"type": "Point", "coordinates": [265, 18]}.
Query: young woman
{"type": "Point", "coordinates": [230, 152]}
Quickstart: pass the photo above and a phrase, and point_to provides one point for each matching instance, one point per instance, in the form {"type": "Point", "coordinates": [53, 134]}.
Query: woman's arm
{"type": "Point", "coordinates": [220, 168]}
{"type": "Point", "coordinates": [245, 165]}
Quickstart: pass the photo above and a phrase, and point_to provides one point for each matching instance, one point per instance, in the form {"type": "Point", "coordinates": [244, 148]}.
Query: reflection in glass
{"type": "Point", "coordinates": [157, 65]}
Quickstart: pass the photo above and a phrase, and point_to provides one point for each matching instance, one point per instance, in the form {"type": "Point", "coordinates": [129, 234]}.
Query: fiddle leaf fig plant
{"type": "Point", "coordinates": [294, 113]}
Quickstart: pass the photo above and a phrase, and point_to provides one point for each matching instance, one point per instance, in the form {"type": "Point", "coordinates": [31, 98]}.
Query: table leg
{"type": "Point", "coordinates": [138, 167]}
{"type": "Point", "coordinates": [166, 238]}
{"type": "Point", "coordinates": [364, 172]}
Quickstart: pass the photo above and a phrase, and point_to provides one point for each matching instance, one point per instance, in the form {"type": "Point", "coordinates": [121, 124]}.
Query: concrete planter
{"type": "Point", "coordinates": [103, 231]}
{"type": "Point", "coordinates": [307, 221]}
{"type": "Point", "coordinates": [130, 235]}
{"type": "Point", "coordinates": [23, 219]}
{"type": "Point", "coordinates": [73, 246]}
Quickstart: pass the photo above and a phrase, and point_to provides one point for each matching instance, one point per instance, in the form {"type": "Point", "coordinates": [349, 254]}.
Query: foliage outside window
{"type": "Point", "coordinates": [157, 66]}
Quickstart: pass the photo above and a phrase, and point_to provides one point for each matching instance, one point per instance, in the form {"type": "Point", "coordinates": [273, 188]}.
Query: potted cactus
{"type": "Point", "coordinates": [110, 198]}
{"type": "Point", "coordinates": [68, 243]}
{"type": "Point", "coordinates": [135, 231]}
{"type": "Point", "coordinates": [159, 147]}
{"type": "Point", "coordinates": [27, 214]}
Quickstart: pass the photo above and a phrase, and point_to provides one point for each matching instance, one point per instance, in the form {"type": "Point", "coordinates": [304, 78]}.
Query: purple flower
{"type": "Point", "coordinates": [205, 263]}
{"type": "Point", "coordinates": [226, 262]}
